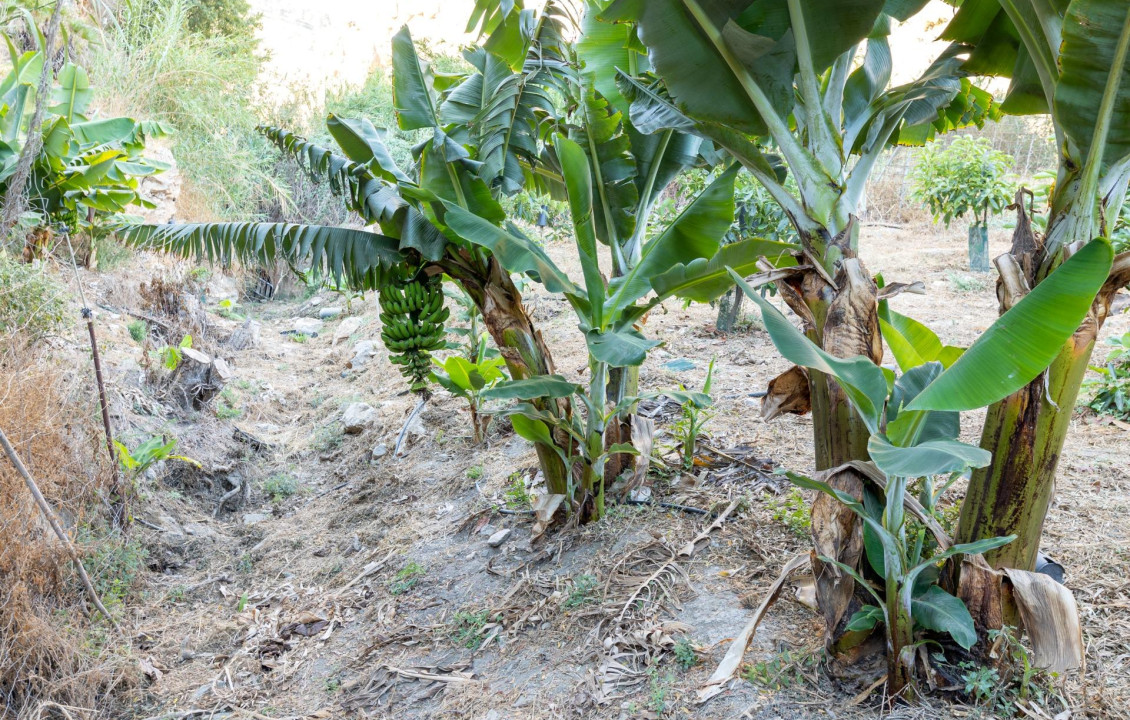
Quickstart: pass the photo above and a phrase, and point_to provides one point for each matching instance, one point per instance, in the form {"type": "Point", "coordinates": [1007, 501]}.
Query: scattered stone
{"type": "Point", "coordinates": [345, 328]}
{"type": "Point", "coordinates": [199, 530]}
{"type": "Point", "coordinates": [268, 428]}
{"type": "Point", "coordinates": [255, 518]}
{"type": "Point", "coordinates": [307, 326]}
{"type": "Point", "coordinates": [523, 701]}
{"type": "Point", "coordinates": [641, 494]}
{"type": "Point", "coordinates": [499, 537]}
{"type": "Point", "coordinates": [380, 451]}
{"type": "Point", "coordinates": [492, 715]}
{"type": "Point", "coordinates": [329, 312]}
{"type": "Point", "coordinates": [202, 692]}
{"type": "Point", "coordinates": [487, 529]}
{"type": "Point", "coordinates": [363, 352]}
{"type": "Point", "coordinates": [358, 418]}
{"type": "Point", "coordinates": [246, 335]}
{"type": "Point", "coordinates": [169, 524]}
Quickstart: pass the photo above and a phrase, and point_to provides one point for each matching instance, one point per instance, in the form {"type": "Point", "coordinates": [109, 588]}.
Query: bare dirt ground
{"type": "Point", "coordinates": [372, 590]}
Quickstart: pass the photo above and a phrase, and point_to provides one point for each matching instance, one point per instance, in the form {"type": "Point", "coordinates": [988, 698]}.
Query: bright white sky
{"type": "Point", "coordinates": [327, 43]}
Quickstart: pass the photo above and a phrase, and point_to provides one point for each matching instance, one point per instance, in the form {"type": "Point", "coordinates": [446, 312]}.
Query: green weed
{"type": "Point", "coordinates": [791, 510]}
{"type": "Point", "coordinates": [582, 593]}
{"type": "Point", "coordinates": [138, 330]}
{"type": "Point", "coordinates": [406, 578]}
{"type": "Point", "coordinates": [280, 486]}
{"type": "Point", "coordinates": [465, 628]}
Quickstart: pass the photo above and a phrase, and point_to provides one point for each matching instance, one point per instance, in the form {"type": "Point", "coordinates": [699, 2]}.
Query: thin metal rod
{"type": "Point", "coordinates": [48, 513]}
{"type": "Point", "coordinates": [120, 511]}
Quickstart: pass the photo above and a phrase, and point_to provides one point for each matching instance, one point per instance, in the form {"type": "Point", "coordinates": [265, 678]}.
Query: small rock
{"type": "Point", "coordinates": [254, 518]}
{"type": "Point", "coordinates": [267, 428]}
{"type": "Point", "coordinates": [523, 701]}
{"type": "Point", "coordinates": [202, 692]}
{"type": "Point", "coordinates": [499, 537]}
{"type": "Point", "coordinates": [363, 352]}
{"type": "Point", "coordinates": [345, 328]}
{"type": "Point", "coordinates": [329, 312]}
{"type": "Point", "coordinates": [640, 494]}
{"type": "Point", "coordinates": [492, 715]}
{"type": "Point", "coordinates": [358, 417]}
{"type": "Point", "coordinates": [487, 529]}
{"type": "Point", "coordinates": [307, 326]}
{"type": "Point", "coordinates": [199, 530]}
{"type": "Point", "coordinates": [315, 301]}
{"type": "Point", "coordinates": [380, 451]}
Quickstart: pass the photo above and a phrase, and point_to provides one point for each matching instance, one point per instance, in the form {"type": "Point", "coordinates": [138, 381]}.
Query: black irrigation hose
{"type": "Point", "coordinates": [665, 505]}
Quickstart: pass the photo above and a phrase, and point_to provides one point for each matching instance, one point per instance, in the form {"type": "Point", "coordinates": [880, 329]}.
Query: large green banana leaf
{"type": "Point", "coordinates": [1024, 341]}
{"type": "Point", "coordinates": [358, 256]}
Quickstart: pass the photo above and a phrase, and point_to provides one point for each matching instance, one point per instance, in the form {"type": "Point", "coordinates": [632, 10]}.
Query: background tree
{"type": "Point", "coordinates": [970, 178]}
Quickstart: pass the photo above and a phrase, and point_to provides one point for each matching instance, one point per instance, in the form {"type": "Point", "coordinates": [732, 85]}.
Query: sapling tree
{"type": "Point", "coordinates": [967, 178]}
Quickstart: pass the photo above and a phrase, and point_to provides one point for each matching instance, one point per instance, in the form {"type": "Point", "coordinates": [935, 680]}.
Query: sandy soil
{"type": "Point", "coordinates": [294, 607]}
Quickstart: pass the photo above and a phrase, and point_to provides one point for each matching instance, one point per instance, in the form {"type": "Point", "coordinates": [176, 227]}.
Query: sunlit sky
{"type": "Point", "coordinates": [328, 43]}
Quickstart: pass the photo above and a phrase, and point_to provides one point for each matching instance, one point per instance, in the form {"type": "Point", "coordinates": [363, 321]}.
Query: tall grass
{"type": "Point", "coordinates": [150, 65]}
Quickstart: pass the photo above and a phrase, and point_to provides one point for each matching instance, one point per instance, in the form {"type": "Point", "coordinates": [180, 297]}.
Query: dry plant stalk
{"type": "Point", "coordinates": [48, 513]}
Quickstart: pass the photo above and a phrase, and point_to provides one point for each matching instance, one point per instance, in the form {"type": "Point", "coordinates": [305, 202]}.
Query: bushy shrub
{"type": "Point", "coordinates": [967, 178]}
{"type": "Point", "coordinates": [202, 83]}
{"type": "Point", "coordinates": [32, 302]}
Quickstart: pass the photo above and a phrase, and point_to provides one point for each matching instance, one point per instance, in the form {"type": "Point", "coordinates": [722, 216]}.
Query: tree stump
{"type": "Point", "coordinates": [197, 379]}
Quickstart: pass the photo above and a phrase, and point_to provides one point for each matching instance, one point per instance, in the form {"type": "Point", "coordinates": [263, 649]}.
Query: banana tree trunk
{"type": "Point", "coordinates": [521, 346]}
{"type": "Point", "coordinates": [842, 317]}
{"type": "Point", "coordinates": [622, 382]}
{"type": "Point", "coordinates": [729, 309]}
{"type": "Point", "coordinates": [1026, 432]}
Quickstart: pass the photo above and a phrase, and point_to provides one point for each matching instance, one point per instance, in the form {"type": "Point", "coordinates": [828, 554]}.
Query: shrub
{"type": "Point", "coordinates": [967, 178]}
{"type": "Point", "coordinates": [280, 486]}
{"type": "Point", "coordinates": [176, 61]}
{"type": "Point", "coordinates": [31, 301]}
{"type": "Point", "coordinates": [52, 650]}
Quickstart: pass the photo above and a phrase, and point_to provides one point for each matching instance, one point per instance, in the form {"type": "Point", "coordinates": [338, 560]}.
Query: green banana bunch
{"type": "Point", "coordinates": [412, 316]}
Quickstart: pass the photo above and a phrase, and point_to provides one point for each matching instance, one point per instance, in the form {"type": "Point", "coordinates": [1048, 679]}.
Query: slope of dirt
{"type": "Point", "coordinates": [372, 590]}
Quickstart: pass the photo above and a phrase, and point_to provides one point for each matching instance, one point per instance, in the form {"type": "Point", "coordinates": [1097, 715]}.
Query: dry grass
{"type": "Point", "coordinates": [49, 651]}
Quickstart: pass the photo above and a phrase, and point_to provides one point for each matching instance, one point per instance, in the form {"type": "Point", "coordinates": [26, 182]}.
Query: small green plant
{"type": "Point", "coordinates": [792, 511]}
{"type": "Point", "coordinates": [300, 338]}
{"type": "Point", "coordinates": [227, 309]}
{"type": "Point", "coordinates": [784, 670]}
{"type": "Point", "coordinates": [332, 685]}
{"type": "Point", "coordinates": [695, 415]}
{"type": "Point", "coordinates": [581, 593]}
{"type": "Point", "coordinates": [328, 437]}
{"type": "Point", "coordinates": [245, 564]}
{"type": "Point", "coordinates": [115, 566]}
{"type": "Point", "coordinates": [227, 406]}
{"type": "Point", "coordinates": [1112, 387]}
{"type": "Point", "coordinates": [466, 628]}
{"type": "Point", "coordinates": [138, 330]}
{"type": "Point", "coordinates": [177, 594]}
{"type": "Point", "coordinates": [171, 356]}
{"type": "Point", "coordinates": [242, 604]}
{"type": "Point", "coordinates": [406, 578]}
{"type": "Point", "coordinates": [962, 283]}
{"type": "Point", "coordinates": [475, 472]}
{"type": "Point", "coordinates": [685, 654]}
{"type": "Point", "coordinates": [967, 178]}
{"type": "Point", "coordinates": [516, 495]}
{"type": "Point", "coordinates": [468, 379]}
{"type": "Point", "coordinates": [154, 450]}
{"type": "Point", "coordinates": [280, 486]}
{"type": "Point", "coordinates": [659, 690]}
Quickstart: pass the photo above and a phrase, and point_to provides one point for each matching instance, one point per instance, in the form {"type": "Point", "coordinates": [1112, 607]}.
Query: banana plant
{"type": "Point", "coordinates": [87, 172]}
{"type": "Point", "coordinates": [803, 85]}
{"type": "Point", "coordinates": [913, 425]}
{"type": "Point", "coordinates": [469, 379]}
{"type": "Point", "coordinates": [1068, 60]}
